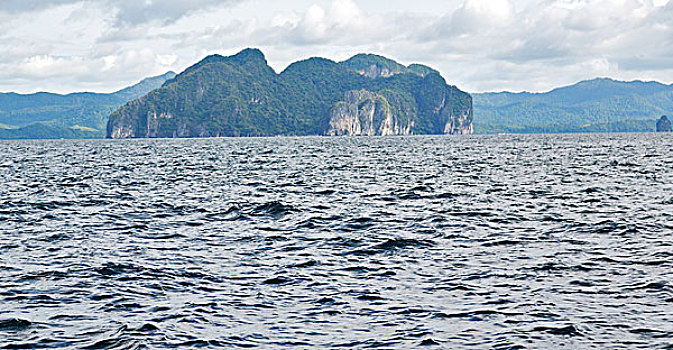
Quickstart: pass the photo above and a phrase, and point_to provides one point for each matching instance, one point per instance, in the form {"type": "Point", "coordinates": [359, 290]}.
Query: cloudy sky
{"type": "Point", "coordinates": [479, 45]}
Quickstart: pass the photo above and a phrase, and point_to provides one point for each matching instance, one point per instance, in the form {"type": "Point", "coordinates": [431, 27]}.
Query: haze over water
{"type": "Point", "coordinates": [507, 242]}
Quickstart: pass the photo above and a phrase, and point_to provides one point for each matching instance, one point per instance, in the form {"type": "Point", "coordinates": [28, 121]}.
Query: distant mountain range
{"type": "Point", "coordinates": [77, 115]}
{"type": "Point", "coordinates": [598, 105]}
{"type": "Point", "coordinates": [241, 95]}
{"type": "Point", "coordinates": [365, 95]}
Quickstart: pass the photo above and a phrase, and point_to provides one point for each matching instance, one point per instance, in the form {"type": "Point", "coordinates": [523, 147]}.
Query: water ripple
{"type": "Point", "coordinates": [481, 242]}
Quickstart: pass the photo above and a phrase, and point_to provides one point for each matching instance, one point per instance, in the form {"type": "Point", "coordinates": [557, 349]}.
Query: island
{"type": "Point", "coordinates": [664, 124]}
{"type": "Point", "coordinates": [241, 95]}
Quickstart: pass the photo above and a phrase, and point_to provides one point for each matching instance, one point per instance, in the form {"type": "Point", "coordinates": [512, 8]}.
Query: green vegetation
{"type": "Point", "coordinates": [83, 128]}
{"type": "Point", "coordinates": [42, 131]}
{"type": "Point", "coordinates": [599, 105]}
{"type": "Point", "coordinates": [242, 96]}
{"type": "Point", "coordinates": [78, 115]}
{"type": "Point", "coordinates": [375, 66]}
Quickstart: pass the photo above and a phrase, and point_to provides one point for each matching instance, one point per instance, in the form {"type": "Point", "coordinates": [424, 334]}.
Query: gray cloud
{"type": "Point", "coordinates": [128, 12]}
{"type": "Point", "coordinates": [135, 11]}
{"type": "Point", "coordinates": [17, 6]}
{"type": "Point", "coordinates": [478, 45]}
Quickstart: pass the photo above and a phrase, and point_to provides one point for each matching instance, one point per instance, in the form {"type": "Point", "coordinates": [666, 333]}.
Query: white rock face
{"type": "Point", "coordinates": [460, 125]}
{"type": "Point", "coordinates": [364, 113]}
{"type": "Point", "coordinates": [374, 71]}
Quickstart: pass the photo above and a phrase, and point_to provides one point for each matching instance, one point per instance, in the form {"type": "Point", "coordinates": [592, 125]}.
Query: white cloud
{"type": "Point", "coordinates": [342, 22]}
{"type": "Point", "coordinates": [166, 60]}
{"type": "Point", "coordinates": [45, 66]}
{"type": "Point", "coordinates": [479, 15]}
{"type": "Point", "coordinates": [556, 41]}
{"type": "Point", "coordinates": [285, 20]}
{"type": "Point", "coordinates": [345, 12]}
{"type": "Point", "coordinates": [476, 44]}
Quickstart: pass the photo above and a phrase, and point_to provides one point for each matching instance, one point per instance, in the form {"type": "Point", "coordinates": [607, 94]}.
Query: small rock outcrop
{"type": "Point", "coordinates": [664, 125]}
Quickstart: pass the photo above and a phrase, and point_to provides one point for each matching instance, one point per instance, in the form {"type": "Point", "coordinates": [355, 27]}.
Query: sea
{"type": "Point", "coordinates": [446, 242]}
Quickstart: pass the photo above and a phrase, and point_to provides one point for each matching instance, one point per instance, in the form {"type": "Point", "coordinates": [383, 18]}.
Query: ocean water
{"type": "Point", "coordinates": [473, 242]}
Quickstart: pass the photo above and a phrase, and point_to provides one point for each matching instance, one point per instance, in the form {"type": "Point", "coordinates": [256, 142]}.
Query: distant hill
{"type": "Point", "coordinates": [241, 95]}
{"type": "Point", "coordinates": [598, 105]}
{"type": "Point", "coordinates": [77, 115]}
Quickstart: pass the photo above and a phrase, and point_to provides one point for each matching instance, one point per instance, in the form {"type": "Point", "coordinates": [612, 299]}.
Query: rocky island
{"type": "Point", "coordinates": [242, 95]}
{"type": "Point", "coordinates": [664, 124]}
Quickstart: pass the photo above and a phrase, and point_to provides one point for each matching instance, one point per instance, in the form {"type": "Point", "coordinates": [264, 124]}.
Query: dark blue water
{"type": "Point", "coordinates": [502, 242]}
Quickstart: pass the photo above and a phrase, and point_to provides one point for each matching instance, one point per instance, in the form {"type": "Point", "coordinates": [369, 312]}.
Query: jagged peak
{"type": "Point", "coordinates": [377, 66]}
{"type": "Point", "coordinates": [247, 59]}
{"type": "Point", "coordinates": [374, 58]}
{"type": "Point", "coordinates": [373, 66]}
{"type": "Point", "coordinates": [250, 51]}
{"type": "Point", "coordinates": [244, 56]}
{"type": "Point", "coordinates": [249, 55]}
{"type": "Point", "coordinates": [309, 63]}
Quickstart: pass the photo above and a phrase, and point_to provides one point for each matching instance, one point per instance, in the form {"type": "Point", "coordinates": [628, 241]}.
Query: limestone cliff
{"type": "Point", "coordinates": [429, 106]}
{"type": "Point", "coordinates": [460, 124]}
{"type": "Point", "coordinates": [364, 113]}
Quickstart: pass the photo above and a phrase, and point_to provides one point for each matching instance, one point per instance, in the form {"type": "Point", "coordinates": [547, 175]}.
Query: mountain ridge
{"type": "Point", "coordinates": [58, 114]}
{"type": "Point", "coordinates": [595, 105]}
{"type": "Point", "coordinates": [581, 82]}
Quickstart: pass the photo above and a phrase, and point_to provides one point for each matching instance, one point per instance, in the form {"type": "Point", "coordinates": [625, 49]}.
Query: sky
{"type": "Point", "coordinates": [478, 45]}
